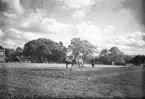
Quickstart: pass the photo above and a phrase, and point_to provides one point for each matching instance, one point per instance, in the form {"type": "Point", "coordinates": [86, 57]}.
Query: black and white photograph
{"type": "Point", "coordinates": [72, 49]}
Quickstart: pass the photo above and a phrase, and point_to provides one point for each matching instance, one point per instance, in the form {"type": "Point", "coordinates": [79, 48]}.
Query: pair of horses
{"type": "Point", "coordinates": [74, 61]}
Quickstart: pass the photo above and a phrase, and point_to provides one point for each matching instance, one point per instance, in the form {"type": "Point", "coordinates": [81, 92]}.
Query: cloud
{"type": "Point", "coordinates": [62, 32]}
{"type": "Point", "coordinates": [23, 31]}
{"type": "Point", "coordinates": [134, 40]}
{"type": "Point", "coordinates": [78, 14]}
{"type": "Point", "coordinates": [109, 28]}
{"type": "Point", "coordinates": [15, 6]}
{"type": "Point", "coordinates": [1, 34]}
{"type": "Point", "coordinates": [86, 30]}
{"type": "Point", "coordinates": [132, 44]}
{"type": "Point", "coordinates": [19, 30]}
{"type": "Point", "coordinates": [137, 7]}
{"type": "Point", "coordinates": [3, 6]}
{"type": "Point", "coordinates": [8, 15]}
{"type": "Point", "coordinates": [13, 38]}
{"type": "Point", "coordinates": [36, 22]}
{"type": "Point", "coordinates": [2, 21]}
{"type": "Point", "coordinates": [77, 4]}
{"type": "Point", "coordinates": [79, 7]}
{"type": "Point", "coordinates": [9, 9]}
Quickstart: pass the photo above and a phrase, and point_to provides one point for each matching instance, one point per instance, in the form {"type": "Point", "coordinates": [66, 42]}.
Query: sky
{"type": "Point", "coordinates": [105, 23]}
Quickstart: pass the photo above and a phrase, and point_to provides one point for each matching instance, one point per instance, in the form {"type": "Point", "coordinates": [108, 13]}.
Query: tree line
{"type": "Point", "coordinates": [44, 49]}
{"type": "Point", "coordinates": [115, 55]}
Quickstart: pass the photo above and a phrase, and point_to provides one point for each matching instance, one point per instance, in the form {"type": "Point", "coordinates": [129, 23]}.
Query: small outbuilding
{"type": "Point", "coordinates": [2, 54]}
{"type": "Point", "coordinates": [138, 60]}
{"type": "Point", "coordinates": [23, 59]}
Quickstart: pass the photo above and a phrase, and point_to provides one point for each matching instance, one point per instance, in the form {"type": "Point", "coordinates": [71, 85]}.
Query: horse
{"type": "Point", "coordinates": [69, 60]}
{"type": "Point", "coordinates": [78, 61]}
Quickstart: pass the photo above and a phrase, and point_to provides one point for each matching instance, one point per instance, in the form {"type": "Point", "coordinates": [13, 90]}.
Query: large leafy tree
{"type": "Point", "coordinates": [9, 53]}
{"type": "Point", "coordinates": [104, 55]}
{"type": "Point", "coordinates": [115, 53]}
{"type": "Point", "coordinates": [47, 48]}
{"type": "Point", "coordinates": [18, 51]}
{"type": "Point", "coordinates": [87, 48]}
{"type": "Point", "coordinates": [81, 47]}
{"type": "Point", "coordinates": [75, 46]}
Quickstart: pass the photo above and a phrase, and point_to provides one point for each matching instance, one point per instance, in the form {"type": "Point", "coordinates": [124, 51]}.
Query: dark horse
{"type": "Point", "coordinates": [74, 61]}
{"type": "Point", "coordinates": [69, 60]}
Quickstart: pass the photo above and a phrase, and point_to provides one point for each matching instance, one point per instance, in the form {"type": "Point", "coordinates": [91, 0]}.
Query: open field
{"type": "Point", "coordinates": [46, 65]}
{"type": "Point", "coordinates": [53, 81]}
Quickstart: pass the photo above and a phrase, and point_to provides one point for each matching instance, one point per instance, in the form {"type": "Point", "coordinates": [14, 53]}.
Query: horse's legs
{"type": "Point", "coordinates": [73, 65]}
{"type": "Point", "coordinates": [83, 64]}
{"type": "Point", "coordinates": [76, 65]}
{"type": "Point", "coordinates": [79, 65]}
{"type": "Point", "coordinates": [66, 66]}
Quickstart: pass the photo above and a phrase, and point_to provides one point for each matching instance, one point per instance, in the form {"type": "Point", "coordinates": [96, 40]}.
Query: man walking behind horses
{"type": "Point", "coordinates": [93, 62]}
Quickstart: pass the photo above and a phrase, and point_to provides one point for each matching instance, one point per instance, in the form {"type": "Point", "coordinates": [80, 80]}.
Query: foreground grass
{"type": "Point", "coordinates": [61, 83]}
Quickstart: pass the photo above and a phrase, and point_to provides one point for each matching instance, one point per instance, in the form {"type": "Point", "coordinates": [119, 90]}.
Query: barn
{"type": "Point", "coordinates": [138, 60]}
{"type": "Point", "coordinates": [2, 54]}
{"type": "Point", "coordinates": [23, 59]}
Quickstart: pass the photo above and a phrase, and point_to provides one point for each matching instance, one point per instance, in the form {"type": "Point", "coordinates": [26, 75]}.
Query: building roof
{"type": "Point", "coordinates": [110, 58]}
{"type": "Point", "coordinates": [138, 58]}
{"type": "Point", "coordinates": [19, 58]}
{"type": "Point", "coordinates": [24, 58]}
{"type": "Point", "coordinates": [1, 48]}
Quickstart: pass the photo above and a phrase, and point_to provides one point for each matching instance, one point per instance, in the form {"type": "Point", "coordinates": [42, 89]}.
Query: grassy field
{"type": "Point", "coordinates": [56, 82]}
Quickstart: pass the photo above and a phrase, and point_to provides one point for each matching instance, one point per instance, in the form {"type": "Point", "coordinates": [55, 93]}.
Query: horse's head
{"type": "Point", "coordinates": [68, 59]}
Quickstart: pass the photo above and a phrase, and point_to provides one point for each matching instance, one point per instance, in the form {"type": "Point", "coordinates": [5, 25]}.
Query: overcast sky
{"type": "Point", "coordinates": [105, 23]}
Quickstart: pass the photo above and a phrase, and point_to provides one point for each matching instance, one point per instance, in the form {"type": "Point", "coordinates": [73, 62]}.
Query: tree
{"type": "Point", "coordinates": [115, 53]}
{"type": "Point", "coordinates": [9, 53]}
{"type": "Point", "coordinates": [58, 52]}
{"type": "Point", "coordinates": [104, 55]}
{"type": "Point", "coordinates": [18, 50]}
{"type": "Point", "coordinates": [81, 47]}
{"type": "Point", "coordinates": [75, 46]}
{"type": "Point", "coordinates": [45, 48]}
{"type": "Point", "coordinates": [29, 48]}
{"type": "Point", "coordinates": [87, 48]}
{"type": "Point", "coordinates": [38, 48]}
